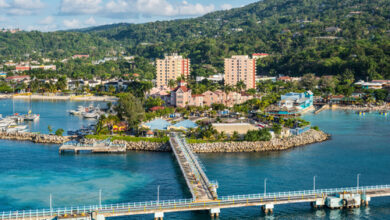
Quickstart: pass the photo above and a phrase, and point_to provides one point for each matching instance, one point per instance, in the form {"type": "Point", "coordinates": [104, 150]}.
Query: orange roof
{"type": "Point", "coordinates": [155, 108]}
{"type": "Point", "coordinates": [183, 88]}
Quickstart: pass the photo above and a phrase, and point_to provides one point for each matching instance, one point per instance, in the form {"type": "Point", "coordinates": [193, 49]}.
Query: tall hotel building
{"type": "Point", "coordinates": [171, 67]}
{"type": "Point", "coordinates": [240, 68]}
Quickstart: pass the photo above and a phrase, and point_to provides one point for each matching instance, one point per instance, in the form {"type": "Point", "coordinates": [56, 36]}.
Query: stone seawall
{"type": "Point", "coordinates": [145, 146]}
{"type": "Point", "coordinates": [309, 137]}
{"type": "Point", "coordinates": [34, 137]}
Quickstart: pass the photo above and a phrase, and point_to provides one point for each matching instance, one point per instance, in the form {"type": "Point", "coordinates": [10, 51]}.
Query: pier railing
{"type": "Point", "coordinates": [184, 204]}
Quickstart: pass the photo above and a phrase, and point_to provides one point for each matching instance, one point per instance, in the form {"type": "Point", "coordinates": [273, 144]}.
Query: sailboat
{"type": "Point", "coordinates": [30, 116]}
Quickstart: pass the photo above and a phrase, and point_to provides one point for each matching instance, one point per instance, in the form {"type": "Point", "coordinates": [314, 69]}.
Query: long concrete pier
{"type": "Point", "coordinates": [197, 181]}
{"type": "Point", "coordinates": [266, 201]}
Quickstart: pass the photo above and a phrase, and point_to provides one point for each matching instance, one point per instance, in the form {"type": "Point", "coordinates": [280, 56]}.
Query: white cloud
{"type": "Point", "coordinates": [226, 6]}
{"type": "Point", "coordinates": [80, 6]}
{"type": "Point", "coordinates": [74, 23]}
{"type": "Point", "coordinates": [3, 4]}
{"type": "Point", "coordinates": [197, 9]}
{"type": "Point", "coordinates": [90, 21]}
{"type": "Point", "coordinates": [27, 4]}
{"type": "Point", "coordinates": [48, 20]}
{"type": "Point", "coordinates": [131, 8]}
{"type": "Point", "coordinates": [23, 7]}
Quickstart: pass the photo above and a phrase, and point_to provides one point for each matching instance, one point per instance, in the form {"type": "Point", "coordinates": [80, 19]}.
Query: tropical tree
{"type": "Point", "coordinates": [130, 108]}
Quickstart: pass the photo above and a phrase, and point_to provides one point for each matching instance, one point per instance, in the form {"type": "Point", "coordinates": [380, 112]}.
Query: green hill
{"type": "Point", "coordinates": [325, 37]}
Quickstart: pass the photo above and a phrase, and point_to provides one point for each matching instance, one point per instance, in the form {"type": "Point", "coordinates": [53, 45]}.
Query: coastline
{"type": "Point", "coordinates": [57, 97]}
{"type": "Point", "coordinates": [309, 137]}
{"type": "Point", "coordinates": [35, 137]}
{"type": "Point", "coordinates": [361, 108]}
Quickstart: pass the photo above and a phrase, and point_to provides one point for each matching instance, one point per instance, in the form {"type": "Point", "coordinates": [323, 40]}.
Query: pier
{"type": "Point", "coordinates": [105, 146]}
{"type": "Point", "coordinates": [205, 197]}
{"type": "Point", "coordinates": [198, 183]}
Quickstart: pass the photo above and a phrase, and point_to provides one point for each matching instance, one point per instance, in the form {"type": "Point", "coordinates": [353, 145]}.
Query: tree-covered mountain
{"type": "Point", "coordinates": [325, 37]}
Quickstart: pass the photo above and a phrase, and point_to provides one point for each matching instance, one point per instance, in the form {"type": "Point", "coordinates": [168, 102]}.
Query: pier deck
{"type": "Point", "coordinates": [197, 181]}
{"type": "Point", "coordinates": [100, 147]}
{"type": "Point", "coordinates": [236, 201]}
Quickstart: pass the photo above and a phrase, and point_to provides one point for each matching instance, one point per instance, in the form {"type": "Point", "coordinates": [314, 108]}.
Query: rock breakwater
{"type": "Point", "coordinates": [309, 137]}
{"type": "Point", "coordinates": [35, 137]}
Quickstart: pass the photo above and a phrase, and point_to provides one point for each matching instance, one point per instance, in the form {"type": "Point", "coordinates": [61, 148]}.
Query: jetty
{"type": "Point", "coordinates": [205, 197]}
{"type": "Point", "coordinates": [105, 146]}
{"type": "Point", "coordinates": [198, 183]}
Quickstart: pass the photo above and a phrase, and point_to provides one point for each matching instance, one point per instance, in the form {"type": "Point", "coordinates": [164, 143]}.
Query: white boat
{"type": "Point", "coordinates": [31, 117]}
{"type": "Point", "coordinates": [93, 114]}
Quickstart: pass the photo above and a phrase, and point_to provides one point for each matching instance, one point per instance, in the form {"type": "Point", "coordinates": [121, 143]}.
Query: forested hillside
{"type": "Point", "coordinates": [303, 36]}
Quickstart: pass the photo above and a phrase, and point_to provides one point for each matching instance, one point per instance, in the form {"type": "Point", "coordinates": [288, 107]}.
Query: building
{"type": "Point", "coordinates": [25, 78]}
{"type": "Point", "coordinates": [3, 75]}
{"type": "Point", "coordinates": [259, 55]}
{"type": "Point", "coordinates": [288, 79]}
{"type": "Point", "coordinates": [375, 84]}
{"type": "Point", "coordinates": [300, 101]}
{"type": "Point", "coordinates": [171, 67]}
{"type": "Point", "coordinates": [213, 78]}
{"type": "Point", "coordinates": [44, 67]}
{"type": "Point", "coordinates": [22, 68]}
{"type": "Point", "coordinates": [79, 56]}
{"type": "Point", "coordinates": [182, 96]}
{"type": "Point", "coordinates": [240, 68]}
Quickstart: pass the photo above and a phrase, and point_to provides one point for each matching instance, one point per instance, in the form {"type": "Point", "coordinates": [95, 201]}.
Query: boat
{"type": "Point", "coordinates": [31, 117]}
{"type": "Point", "coordinates": [93, 114]}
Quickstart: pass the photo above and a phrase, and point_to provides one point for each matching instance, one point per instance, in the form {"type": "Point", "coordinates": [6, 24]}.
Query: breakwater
{"type": "Point", "coordinates": [309, 137]}
{"type": "Point", "coordinates": [35, 137]}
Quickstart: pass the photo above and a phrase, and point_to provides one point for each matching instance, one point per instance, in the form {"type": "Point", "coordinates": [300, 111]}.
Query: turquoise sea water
{"type": "Point", "coordinates": [360, 144]}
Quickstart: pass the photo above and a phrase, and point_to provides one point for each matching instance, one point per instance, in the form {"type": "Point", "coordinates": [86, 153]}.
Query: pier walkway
{"type": "Point", "coordinates": [198, 183]}
{"type": "Point", "coordinates": [105, 146]}
{"type": "Point", "coordinates": [204, 195]}
{"type": "Point", "coordinates": [159, 207]}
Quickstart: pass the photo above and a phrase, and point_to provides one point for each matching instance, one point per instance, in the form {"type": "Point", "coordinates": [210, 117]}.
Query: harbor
{"type": "Point", "coordinates": [141, 171]}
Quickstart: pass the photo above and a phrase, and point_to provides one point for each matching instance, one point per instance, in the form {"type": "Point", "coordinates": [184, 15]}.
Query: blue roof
{"type": "Point", "coordinates": [186, 124]}
{"type": "Point", "coordinates": [2, 73]}
{"type": "Point", "coordinates": [158, 124]}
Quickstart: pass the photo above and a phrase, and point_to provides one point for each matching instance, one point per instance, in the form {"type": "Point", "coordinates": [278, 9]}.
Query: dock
{"type": "Point", "coordinates": [198, 183]}
{"type": "Point", "coordinates": [105, 146]}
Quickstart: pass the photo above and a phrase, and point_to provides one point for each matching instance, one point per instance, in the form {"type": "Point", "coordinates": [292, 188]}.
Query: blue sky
{"type": "Point", "coordinates": [50, 15]}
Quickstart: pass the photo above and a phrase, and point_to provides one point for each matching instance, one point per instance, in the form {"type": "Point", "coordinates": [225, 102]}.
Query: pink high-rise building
{"type": "Point", "coordinates": [171, 67]}
{"type": "Point", "coordinates": [240, 68]}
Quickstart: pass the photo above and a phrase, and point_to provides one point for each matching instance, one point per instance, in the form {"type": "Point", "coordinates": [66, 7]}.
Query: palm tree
{"type": "Point", "coordinates": [240, 86]}
{"type": "Point", "coordinates": [171, 83]}
{"type": "Point", "coordinates": [227, 89]}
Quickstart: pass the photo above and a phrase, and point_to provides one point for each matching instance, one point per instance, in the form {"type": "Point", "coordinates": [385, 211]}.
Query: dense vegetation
{"type": "Point", "coordinates": [325, 37]}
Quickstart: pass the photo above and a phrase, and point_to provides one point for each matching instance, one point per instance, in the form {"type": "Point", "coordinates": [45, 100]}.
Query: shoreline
{"type": "Point", "coordinates": [361, 108]}
{"type": "Point", "coordinates": [61, 98]}
{"type": "Point", "coordinates": [309, 137]}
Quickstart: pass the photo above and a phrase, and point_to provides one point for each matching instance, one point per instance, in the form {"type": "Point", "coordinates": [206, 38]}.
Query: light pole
{"type": "Point", "coordinates": [314, 183]}
{"type": "Point", "coordinates": [100, 198]}
{"type": "Point", "coordinates": [158, 194]}
{"type": "Point", "coordinates": [265, 186]}
{"type": "Point", "coordinates": [51, 207]}
{"type": "Point", "coordinates": [357, 181]}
